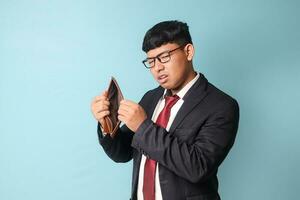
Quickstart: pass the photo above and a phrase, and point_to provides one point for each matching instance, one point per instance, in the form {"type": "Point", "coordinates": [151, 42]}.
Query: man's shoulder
{"type": "Point", "coordinates": [219, 98]}
{"type": "Point", "coordinates": [213, 94]}
{"type": "Point", "coordinates": [152, 95]}
{"type": "Point", "coordinates": [153, 92]}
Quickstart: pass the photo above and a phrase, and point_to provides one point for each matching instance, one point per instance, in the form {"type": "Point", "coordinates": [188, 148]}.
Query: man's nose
{"type": "Point", "coordinates": [158, 66]}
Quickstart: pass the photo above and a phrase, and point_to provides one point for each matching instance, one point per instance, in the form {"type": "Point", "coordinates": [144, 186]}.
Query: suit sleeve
{"type": "Point", "coordinates": [117, 148]}
{"type": "Point", "coordinates": [192, 161]}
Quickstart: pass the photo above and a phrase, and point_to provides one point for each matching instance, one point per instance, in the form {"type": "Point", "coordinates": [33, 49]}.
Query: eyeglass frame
{"type": "Point", "coordinates": [158, 57]}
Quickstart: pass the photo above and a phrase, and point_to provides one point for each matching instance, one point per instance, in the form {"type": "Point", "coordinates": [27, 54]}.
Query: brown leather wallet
{"type": "Point", "coordinates": [111, 122]}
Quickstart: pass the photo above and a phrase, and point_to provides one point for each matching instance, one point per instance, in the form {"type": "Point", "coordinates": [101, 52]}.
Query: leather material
{"type": "Point", "coordinates": [111, 122]}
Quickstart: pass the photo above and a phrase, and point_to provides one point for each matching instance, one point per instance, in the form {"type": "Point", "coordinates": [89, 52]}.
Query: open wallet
{"type": "Point", "coordinates": [111, 121]}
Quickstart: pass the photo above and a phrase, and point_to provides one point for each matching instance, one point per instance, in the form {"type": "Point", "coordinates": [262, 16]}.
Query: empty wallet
{"type": "Point", "coordinates": [111, 121]}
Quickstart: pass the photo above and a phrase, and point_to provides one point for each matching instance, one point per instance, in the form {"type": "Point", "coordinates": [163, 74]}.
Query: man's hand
{"type": "Point", "coordinates": [132, 114]}
{"type": "Point", "coordinates": [100, 107]}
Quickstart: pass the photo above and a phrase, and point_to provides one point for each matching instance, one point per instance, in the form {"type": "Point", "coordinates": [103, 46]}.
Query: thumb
{"type": "Point", "coordinates": [105, 93]}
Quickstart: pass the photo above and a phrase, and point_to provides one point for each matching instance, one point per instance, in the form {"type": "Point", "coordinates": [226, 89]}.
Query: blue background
{"type": "Point", "coordinates": [55, 56]}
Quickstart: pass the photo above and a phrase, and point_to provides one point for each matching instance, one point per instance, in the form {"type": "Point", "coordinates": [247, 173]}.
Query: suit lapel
{"type": "Point", "coordinates": [153, 100]}
{"type": "Point", "coordinates": [149, 107]}
{"type": "Point", "coordinates": [191, 99]}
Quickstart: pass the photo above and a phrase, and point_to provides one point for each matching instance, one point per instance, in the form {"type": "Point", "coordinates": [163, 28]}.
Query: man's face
{"type": "Point", "coordinates": [175, 73]}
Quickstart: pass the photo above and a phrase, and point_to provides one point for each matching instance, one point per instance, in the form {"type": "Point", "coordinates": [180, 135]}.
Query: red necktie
{"type": "Point", "coordinates": [150, 165]}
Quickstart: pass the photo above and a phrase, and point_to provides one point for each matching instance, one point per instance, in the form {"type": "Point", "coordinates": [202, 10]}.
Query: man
{"type": "Point", "coordinates": [180, 132]}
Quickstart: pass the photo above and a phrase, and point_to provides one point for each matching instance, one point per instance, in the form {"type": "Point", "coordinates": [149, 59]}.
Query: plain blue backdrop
{"type": "Point", "coordinates": [55, 56]}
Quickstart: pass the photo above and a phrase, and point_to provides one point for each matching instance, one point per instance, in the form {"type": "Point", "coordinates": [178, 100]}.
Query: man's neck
{"type": "Point", "coordinates": [189, 78]}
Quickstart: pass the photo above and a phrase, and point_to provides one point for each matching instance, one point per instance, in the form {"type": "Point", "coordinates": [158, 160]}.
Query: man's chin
{"type": "Point", "coordinates": [166, 86]}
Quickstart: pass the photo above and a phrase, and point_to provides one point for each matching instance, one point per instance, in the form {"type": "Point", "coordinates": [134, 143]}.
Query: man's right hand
{"type": "Point", "coordinates": [100, 107]}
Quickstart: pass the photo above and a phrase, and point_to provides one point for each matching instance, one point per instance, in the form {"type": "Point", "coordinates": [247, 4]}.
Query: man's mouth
{"type": "Point", "coordinates": [162, 78]}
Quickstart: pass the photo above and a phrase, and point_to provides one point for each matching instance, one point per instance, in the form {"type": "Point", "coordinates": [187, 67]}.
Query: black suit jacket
{"type": "Point", "coordinates": [189, 155]}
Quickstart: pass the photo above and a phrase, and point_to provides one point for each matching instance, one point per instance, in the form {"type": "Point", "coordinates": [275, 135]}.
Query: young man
{"type": "Point", "coordinates": [180, 132]}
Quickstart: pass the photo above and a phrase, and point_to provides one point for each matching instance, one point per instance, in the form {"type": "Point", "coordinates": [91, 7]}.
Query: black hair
{"type": "Point", "coordinates": [166, 32]}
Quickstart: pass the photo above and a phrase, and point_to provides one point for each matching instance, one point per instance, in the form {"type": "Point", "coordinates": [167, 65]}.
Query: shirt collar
{"type": "Point", "coordinates": [184, 90]}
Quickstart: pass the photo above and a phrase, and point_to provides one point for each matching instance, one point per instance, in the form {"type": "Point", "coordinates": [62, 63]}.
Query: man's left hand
{"type": "Point", "coordinates": [132, 114]}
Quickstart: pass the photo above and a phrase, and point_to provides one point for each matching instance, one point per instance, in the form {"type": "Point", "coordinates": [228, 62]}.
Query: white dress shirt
{"type": "Point", "coordinates": [158, 109]}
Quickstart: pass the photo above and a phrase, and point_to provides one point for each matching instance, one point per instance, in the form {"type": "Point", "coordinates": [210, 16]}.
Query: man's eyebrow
{"type": "Point", "coordinates": [158, 54]}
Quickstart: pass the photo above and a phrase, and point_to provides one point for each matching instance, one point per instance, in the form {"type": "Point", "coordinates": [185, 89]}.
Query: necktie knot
{"type": "Point", "coordinates": [164, 115]}
{"type": "Point", "coordinates": [170, 101]}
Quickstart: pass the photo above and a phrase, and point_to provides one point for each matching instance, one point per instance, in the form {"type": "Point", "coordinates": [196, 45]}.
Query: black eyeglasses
{"type": "Point", "coordinates": [163, 57]}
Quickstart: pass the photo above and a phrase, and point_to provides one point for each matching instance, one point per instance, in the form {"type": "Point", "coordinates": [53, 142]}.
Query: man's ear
{"type": "Point", "coordinates": [189, 51]}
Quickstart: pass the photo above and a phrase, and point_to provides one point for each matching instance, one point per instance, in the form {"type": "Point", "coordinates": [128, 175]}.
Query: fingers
{"type": "Point", "coordinates": [100, 106]}
{"type": "Point", "coordinates": [103, 96]}
{"type": "Point", "coordinates": [100, 100]}
{"type": "Point", "coordinates": [127, 103]}
{"type": "Point", "coordinates": [131, 114]}
{"type": "Point", "coordinates": [126, 107]}
{"type": "Point", "coordinates": [105, 93]}
{"type": "Point", "coordinates": [123, 110]}
{"type": "Point", "coordinates": [100, 116]}
{"type": "Point", "coordinates": [122, 118]}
